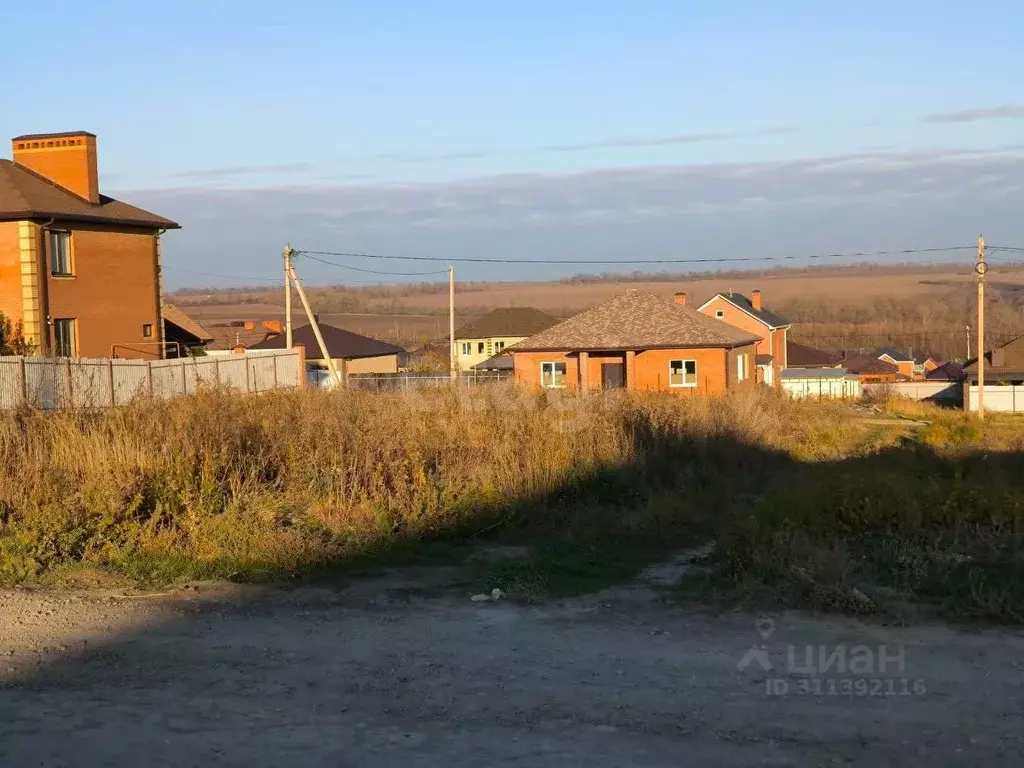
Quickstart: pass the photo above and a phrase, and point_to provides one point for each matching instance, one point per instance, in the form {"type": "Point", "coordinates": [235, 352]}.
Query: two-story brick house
{"type": "Point", "coordinates": [80, 271]}
{"type": "Point", "coordinates": [750, 314]}
{"type": "Point", "coordinates": [487, 336]}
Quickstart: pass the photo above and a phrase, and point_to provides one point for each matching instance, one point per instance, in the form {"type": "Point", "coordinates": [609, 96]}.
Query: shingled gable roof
{"type": "Point", "coordinates": [867, 364]}
{"type": "Point", "coordinates": [636, 320]}
{"type": "Point", "coordinates": [176, 317]}
{"type": "Point", "coordinates": [507, 321]}
{"type": "Point", "coordinates": [744, 304]}
{"type": "Point", "coordinates": [340, 343]}
{"type": "Point", "coordinates": [25, 194]}
{"type": "Point", "coordinates": [802, 356]}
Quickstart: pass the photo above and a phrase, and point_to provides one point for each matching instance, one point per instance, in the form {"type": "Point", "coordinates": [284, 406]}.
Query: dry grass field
{"type": "Point", "coordinates": [803, 500]}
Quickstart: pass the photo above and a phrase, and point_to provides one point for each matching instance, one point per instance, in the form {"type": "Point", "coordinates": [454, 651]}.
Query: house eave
{"type": "Point", "coordinates": [99, 219]}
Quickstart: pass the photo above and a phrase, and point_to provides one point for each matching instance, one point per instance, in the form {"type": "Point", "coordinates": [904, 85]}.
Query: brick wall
{"type": "Point", "coordinates": [113, 293]}
{"type": "Point", "coordinates": [716, 368]}
{"type": "Point", "coordinates": [10, 271]}
{"type": "Point", "coordinates": [779, 350]}
{"type": "Point", "coordinates": [69, 161]}
{"type": "Point", "coordinates": [527, 367]}
{"type": "Point", "coordinates": [771, 343]}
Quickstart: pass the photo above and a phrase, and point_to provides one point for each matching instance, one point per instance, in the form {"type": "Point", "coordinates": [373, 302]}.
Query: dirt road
{"type": "Point", "coordinates": [384, 672]}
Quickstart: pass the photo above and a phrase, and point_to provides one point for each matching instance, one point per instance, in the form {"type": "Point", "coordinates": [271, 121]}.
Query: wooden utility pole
{"type": "Point", "coordinates": [981, 268]}
{"type": "Point", "coordinates": [314, 324]}
{"type": "Point", "coordinates": [451, 321]}
{"type": "Point", "coordinates": [288, 296]}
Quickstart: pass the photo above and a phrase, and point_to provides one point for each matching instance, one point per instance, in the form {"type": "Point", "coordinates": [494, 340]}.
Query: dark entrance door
{"type": "Point", "coordinates": [613, 375]}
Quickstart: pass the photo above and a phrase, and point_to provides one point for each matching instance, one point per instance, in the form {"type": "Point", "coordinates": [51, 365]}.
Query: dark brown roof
{"type": "Point", "coordinates": [1008, 357]}
{"type": "Point", "coordinates": [866, 364]}
{"type": "Point", "coordinates": [637, 320]}
{"type": "Point", "coordinates": [802, 356]}
{"type": "Point", "coordinates": [340, 343]}
{"type": "Point", "coordinates": [898, 355]}
{"type": "Point", "coordinates": [946, 372]}
{"type": "Point", "coordinates": [507, 321]}
{"type": "Point", "coordinates": [176, 317]}
{"type": "Point", "coordinates": [25, 194]}
{"type": "Point", "coordinates": [500, 362]}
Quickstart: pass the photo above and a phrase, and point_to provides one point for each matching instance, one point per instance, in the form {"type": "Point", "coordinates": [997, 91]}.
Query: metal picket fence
{"type": "Point", "coordinates": [53, 384]}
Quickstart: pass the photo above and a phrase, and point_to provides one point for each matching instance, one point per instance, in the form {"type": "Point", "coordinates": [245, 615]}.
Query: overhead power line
{"type": "Point", "coordinates": [375, 271]}
{"type": "Point", "coordinates": [715, 260]}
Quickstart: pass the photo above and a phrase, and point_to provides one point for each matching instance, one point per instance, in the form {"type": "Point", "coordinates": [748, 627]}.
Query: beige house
{"type": "Point", "coordinates": [489, 335]}
{"type": "Point", "coordinates": [351, 352]}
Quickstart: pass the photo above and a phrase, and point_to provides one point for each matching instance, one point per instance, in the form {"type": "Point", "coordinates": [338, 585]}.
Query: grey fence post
{"type": "Point", "coordinates": [274, 358]}
{"type": "Point", "coordinates": [71, 391]}
{"type": "Point", "coordinates": [110, 376]}
{"type": "Point", "coordinates": [184, 382]}
{"type": "Point", "coordinates": [23, 369]}
{"type": "Point", "coordinates": [216, 370]}
{"type": "Point", "coordinates": [248, 378]}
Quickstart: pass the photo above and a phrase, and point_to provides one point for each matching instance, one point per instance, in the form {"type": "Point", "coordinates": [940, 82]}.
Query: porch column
{"type": "Point", "coordinates": [583, 374]}
{"type": "Point", "coordinates": [630, 369]}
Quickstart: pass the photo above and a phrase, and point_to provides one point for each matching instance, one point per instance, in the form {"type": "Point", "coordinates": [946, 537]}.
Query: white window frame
{"type": "Point", "coordinates": [499, 346]}
{"type": "Point", "coordinates": [552, 364]}
{"type": "Point", "coordinates": [62, 266]}
{"type": "Point", "coordinates": [466, 347]}
{"type": "Point", "coordinates": [682, 362]}
{"type": "Point", "coordinates": [741, 367]}
{"type": "Point", "coordinates": [480, 346]}
{"type": "Point", "coordinates": [720, 314]}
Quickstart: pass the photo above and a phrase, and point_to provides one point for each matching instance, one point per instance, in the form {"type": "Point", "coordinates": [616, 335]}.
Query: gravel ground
{"type": "Point", "coordinates": [400, 670]}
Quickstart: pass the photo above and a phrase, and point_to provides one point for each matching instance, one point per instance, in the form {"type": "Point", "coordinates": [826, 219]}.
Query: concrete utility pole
{"type": "Point", "coordinates": [451, 320]}
{"type": "Point", "coordinates": [981, 268]}
{"type": "Point", "coordinates": [288, 296]}
{"type": "Point", "coordinates": [315, 325]}
{"type": "Point", "coordinates": [968, 342]}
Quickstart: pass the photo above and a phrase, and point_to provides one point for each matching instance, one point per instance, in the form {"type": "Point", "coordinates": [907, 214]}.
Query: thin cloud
{"type": "Point", "coordinates": [242, 170]}
{"type": "Point", "coordinates": [1003, 112]}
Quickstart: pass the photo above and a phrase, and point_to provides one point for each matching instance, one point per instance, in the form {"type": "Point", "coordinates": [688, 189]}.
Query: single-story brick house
{"type": "Point", "coordinates": [638, 341]}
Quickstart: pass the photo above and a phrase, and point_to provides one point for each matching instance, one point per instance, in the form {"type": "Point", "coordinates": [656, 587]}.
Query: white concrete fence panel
{"type": "Point", "coordinates": [53, 384]}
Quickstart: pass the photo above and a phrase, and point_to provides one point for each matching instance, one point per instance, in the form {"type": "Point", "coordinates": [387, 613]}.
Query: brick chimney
{"type": "Point", "coordinates": [755, 299]}
{"type": "Point", "coordinates": [680, 299]}
{"type": "Point", "coordinates": [66, 159]}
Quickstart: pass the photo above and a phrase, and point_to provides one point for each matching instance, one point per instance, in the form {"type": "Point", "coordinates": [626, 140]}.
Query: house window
{"type": "Point", "coordinates": [682, 373]}
{"type": "Point", "coordinates": [499, 346]}
{"type": "Point", "coordinates": [64, 337]}
{"type": "Point", "coordinates": [741, 367]}
{"type": "Point", "coordinates": [720, 314]}
{"type": "Point", "coordinates": [60, 254]}
{"type": "Point", "coordinates": [466, 347]}
{"type": "Point", "coordinates": [147, 331]}
{"type": "Point", "coordinates": [480, 347]}
{"type": "Point", "coordinates": [552, 375]}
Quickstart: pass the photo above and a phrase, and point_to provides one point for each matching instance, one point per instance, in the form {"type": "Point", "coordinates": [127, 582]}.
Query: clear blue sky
{"type": "Point", "coordinates": [397, 125]}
